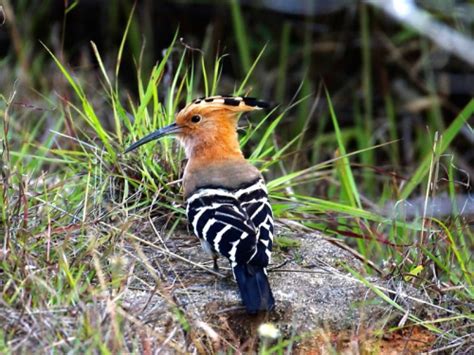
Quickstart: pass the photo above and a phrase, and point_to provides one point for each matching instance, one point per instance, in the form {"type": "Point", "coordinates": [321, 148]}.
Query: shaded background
{"type": "Point", "coordinates": [387, 82]}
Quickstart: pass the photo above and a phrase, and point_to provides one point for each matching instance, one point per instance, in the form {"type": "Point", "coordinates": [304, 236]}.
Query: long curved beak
{"type": "Point", "coordinates": [167, 130]}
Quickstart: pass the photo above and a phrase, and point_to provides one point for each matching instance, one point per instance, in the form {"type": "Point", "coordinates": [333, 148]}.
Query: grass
{"type": "Point", "coordinates": [80, 218]}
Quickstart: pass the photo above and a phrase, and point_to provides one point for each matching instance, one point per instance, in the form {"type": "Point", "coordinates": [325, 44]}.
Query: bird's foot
{"type": "Point", "coordinates": [215, 266]}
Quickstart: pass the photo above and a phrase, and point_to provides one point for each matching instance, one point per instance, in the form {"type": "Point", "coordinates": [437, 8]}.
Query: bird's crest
{"type": "Point", "coordinates": [226, 102]}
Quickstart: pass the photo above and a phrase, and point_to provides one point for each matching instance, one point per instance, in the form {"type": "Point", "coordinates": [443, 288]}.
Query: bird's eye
{"type": "Point", "coordinates": [195, 119]}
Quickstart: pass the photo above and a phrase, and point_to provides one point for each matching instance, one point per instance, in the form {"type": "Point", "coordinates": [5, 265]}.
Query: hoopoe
{"type": "Point", "coordinates": [226, 196]}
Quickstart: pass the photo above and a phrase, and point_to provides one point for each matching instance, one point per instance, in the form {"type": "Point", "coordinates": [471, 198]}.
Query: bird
{"type": "Point", "coordinates": [226, 197]}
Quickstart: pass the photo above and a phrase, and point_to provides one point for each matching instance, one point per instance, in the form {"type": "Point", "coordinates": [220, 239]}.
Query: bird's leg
{"type": "Point", "coordinates": [214, 259]}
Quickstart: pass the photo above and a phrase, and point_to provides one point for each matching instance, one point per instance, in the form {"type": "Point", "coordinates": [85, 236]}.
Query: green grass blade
{"type": "Point", "coordinates": [241, 35]}
{"type": "Point", "coordinates": [122, 45]}
{"type": "Point", "coordinates": [448, 137]}
{"type": "Point", "coordinates": [345, 171]}
{"type": "Point", "coordinates": [250, 71]}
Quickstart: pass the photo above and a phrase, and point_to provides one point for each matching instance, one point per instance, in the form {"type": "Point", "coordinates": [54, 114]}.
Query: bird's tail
{"type": "Point", "coordinates": [254, 288]}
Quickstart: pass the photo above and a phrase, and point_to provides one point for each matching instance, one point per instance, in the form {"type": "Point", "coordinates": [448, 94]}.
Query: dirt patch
{"type": "Point", "coordinates": [411, 340]}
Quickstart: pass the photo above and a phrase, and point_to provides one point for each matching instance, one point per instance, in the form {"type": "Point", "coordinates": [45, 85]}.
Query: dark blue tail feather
{"type": "Point", "coordinates": [254, 288]}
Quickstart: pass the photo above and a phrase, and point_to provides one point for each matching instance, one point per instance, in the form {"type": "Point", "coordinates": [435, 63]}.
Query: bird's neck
{"type": "Point", "coordinates": [207, 155]}
{"type": "Point", "coordinates": [204, 154]}
{"type": "Point", "coordinates": [214, 146]}
{"type": "Point", "coordinates": [215, 159]}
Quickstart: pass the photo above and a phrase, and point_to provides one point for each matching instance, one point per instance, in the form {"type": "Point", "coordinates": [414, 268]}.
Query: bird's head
{"type": "Point", "coordinates": [207, 125]}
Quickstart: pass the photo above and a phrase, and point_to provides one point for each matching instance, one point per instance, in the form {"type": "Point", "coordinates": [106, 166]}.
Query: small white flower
{"type": "Point", "coordinates": [268, 330]}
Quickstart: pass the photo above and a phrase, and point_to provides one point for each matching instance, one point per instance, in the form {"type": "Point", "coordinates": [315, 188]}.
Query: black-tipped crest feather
{"type": "Point", "coordinates": [233, 101]}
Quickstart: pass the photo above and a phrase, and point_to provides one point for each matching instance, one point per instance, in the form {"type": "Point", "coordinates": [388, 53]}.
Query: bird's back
{"type": "Point", "coordinates": [228, 208]}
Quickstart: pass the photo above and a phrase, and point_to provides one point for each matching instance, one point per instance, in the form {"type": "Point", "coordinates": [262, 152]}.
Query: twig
{"type": "Point", "coordinates": [445, 37]}
{"type": "Point", "coordinates": [187, 46]}
{"type": "Point", "coordinates": [167, 252]}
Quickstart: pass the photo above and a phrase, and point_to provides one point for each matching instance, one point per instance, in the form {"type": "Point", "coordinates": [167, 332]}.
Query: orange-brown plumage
{"type": "Point", "coordinates": [212, 145]}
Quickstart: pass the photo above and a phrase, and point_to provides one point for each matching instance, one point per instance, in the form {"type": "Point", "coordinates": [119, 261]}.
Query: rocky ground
{"type": "Point", "coordinates": [315, 284]}
{"type": "Point", "coordinates": [159, 293]}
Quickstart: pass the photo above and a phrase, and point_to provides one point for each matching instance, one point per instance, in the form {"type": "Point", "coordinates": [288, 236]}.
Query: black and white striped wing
{"type": "Point", "coordinates": [218, 218]}
{"type": "Point", "coordinates": [254, 200]}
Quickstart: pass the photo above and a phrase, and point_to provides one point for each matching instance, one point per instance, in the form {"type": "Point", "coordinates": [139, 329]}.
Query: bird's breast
{"type": "Point", "coordinates": [227, 175]}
